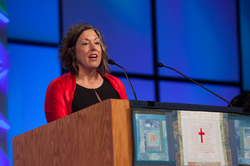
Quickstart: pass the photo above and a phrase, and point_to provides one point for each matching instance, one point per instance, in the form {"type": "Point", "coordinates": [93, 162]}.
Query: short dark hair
{"type": "Point", "coordinates": [68, 57]}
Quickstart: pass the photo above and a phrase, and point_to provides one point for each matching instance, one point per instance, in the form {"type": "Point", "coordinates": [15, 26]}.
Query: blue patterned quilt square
{"type": "Point", "coordinates": [150, 137]}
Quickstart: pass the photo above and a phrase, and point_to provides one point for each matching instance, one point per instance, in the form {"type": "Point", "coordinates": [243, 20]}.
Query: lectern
{"type": "Point", "coordinates": [100, 135]}
{"type": "Point", "coordinates": [139, 133]}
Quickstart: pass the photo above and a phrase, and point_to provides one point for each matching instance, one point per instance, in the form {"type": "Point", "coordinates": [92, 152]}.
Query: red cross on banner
{"type": "Point", "coordinates": [201, 134]}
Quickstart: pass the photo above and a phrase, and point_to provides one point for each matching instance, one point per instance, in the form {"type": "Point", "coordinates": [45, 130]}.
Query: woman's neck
{"type": "Point", "coordinates": [90, 79]}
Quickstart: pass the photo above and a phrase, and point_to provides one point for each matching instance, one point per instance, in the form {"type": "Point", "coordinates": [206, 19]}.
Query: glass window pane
{"type": "Point", "coordinates": [180, 92]}
{"type": "Point", "coordinates": [126, 26]}
{"type": "Point", "coordinates": [32, 68]}
{"type": "Point", "coordinates": [245, 40]}
{"type": "Point", "coordinates": [144, 89]}
{"type": "Point", "coordinates": [198, 38]}
{"type": "Point", "coordinates": [34, 20]}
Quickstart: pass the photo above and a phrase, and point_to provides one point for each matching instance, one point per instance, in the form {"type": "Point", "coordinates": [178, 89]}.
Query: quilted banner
{"type": "Point", "coordinates": [203, 138]}
{"type": "Point", "coordinates": [150, 138]}
{"type": "Point", "coordinates": [194, 135]}
{"type": "Point", "coordinates": [241, 137]}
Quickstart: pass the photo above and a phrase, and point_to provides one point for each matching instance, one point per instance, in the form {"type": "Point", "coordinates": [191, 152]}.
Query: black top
{"type": "Point", "coordinates": [84, 97]}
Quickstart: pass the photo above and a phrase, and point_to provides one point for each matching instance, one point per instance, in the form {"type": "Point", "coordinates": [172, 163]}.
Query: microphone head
{"type": "Point", "coordinates": [110, 61]}
{"type": "Point", "coordinates": [159, 64]}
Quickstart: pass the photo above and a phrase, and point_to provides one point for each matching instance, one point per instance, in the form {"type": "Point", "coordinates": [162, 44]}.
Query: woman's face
{"type": "Point", "coordinates": [88, 51]}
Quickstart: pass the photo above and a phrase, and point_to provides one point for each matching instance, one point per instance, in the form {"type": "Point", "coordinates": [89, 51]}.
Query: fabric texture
{"type": "Point", "coordinates": [84, 97]}
{"type": "Point", "coordinates": [60, 93]}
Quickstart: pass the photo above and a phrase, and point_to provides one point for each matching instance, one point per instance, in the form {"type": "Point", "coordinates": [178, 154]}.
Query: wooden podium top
{"type": "Point", "coordinates": [98, 135]}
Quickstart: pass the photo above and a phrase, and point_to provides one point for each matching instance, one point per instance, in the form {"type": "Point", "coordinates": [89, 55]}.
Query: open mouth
{"type": "Point", "coordinates": [93, 57]}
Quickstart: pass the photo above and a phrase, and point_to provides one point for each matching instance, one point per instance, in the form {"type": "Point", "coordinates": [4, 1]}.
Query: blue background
{"type": "Point", "coordinates": [206, 40]}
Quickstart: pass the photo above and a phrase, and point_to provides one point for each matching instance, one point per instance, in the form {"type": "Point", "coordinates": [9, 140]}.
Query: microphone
{"type": "Point", "coordinates": [112, 62]}
{"type": "Point", "coordinates": [159, 64]}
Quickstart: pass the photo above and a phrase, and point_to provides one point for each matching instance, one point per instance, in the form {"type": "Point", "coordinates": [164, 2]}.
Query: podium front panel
{"type": "Point", "coordinates": [187, 134]}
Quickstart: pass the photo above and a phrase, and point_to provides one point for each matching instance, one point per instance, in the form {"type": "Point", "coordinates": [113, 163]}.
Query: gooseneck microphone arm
{"type": "Point", "coordinates": [159, 64]}
{"type": "Point", "coordinates": [112, 62]}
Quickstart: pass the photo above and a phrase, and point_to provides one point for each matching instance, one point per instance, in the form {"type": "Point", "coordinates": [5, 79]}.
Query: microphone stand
{"type": "Point", "coordinates": [159, 64]}
{"type": "Point", "coordinates": [112, 62]}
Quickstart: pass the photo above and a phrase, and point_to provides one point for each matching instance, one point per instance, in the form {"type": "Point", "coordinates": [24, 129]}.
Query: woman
{"type": "Point", "coordinates": [82, 52]}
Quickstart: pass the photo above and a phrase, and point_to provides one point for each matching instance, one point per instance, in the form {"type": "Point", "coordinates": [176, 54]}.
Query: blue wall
{"type": "Point", "coordinates": [36, 21]}
{"type": "Point", "coordinates": [32, 69]}
{"type": "Point", "coordinates": [126, 26]}
{"type": "Point", "coordinates": [245, 42]}
{"type": "Point", "coordinates": [4, 73]}
{"type": "Point", "coordinates": [198, 38]}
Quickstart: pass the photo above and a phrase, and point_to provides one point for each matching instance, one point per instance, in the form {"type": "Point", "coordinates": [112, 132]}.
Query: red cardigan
{"type": "Point", "coordinates": [60, 93]}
